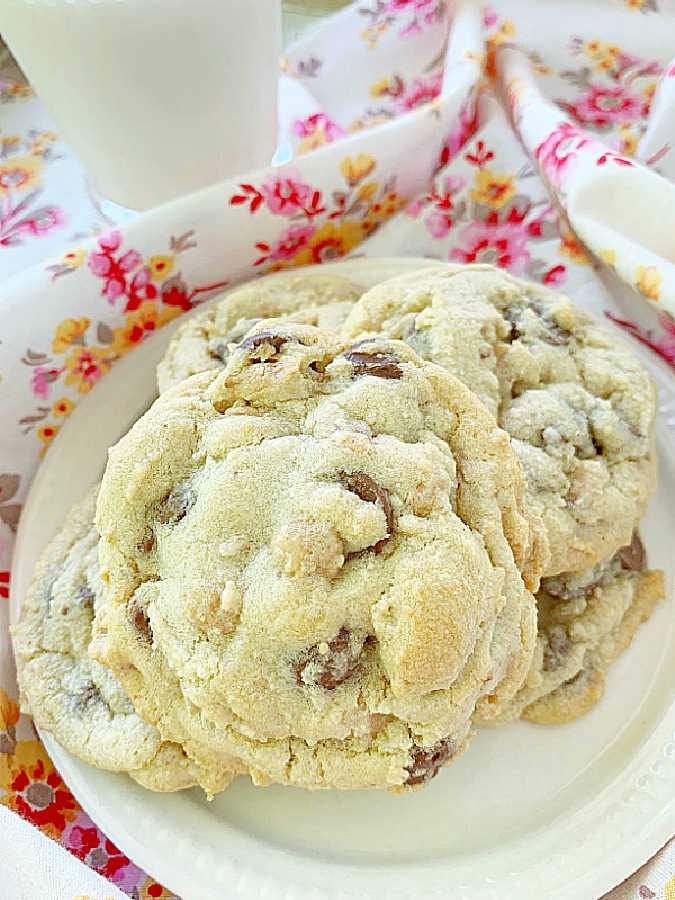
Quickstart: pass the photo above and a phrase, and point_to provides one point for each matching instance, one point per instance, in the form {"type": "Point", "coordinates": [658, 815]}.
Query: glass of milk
{"type": "Point", "coordinates": [157, 97]}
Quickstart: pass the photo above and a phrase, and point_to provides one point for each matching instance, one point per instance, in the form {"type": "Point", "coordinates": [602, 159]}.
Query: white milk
{"type": "Point", "coordinates": [157, 97]}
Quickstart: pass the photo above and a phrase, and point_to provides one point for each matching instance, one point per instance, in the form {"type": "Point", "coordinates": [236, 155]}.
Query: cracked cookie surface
{"type": "Point", "coordinates": [312, 562]}
{"type": "Point", "coordinates": [577, 404]}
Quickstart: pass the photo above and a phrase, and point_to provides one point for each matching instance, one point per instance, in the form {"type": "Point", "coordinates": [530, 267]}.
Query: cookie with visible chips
{"type": "Point", "coordinates": [203, 342]}
{"type": "Point", "coordinates": [315, 554]}
{"type": "Point", "coordinates": [585, 622]}
{"type": "Point", "coordinates": [577, 404]}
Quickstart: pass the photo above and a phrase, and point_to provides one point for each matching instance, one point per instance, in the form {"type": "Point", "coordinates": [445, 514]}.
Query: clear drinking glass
{"type": "Point", "coordinates": [156, 97]}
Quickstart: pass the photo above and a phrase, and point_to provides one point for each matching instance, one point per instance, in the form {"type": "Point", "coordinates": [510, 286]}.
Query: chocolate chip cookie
{"type": "Point", "coordinates": [312, 562]}
{"type": "Point", "coordinates": [74, 697]}
{"type": "Point", "coordinates": [578, 406]}
{"type": "Point", "coordinates": [584, 622]}
{"type": "Point", "coordinates": [202, 342]}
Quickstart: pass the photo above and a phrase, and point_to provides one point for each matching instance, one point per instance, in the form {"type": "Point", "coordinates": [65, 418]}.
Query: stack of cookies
{"type": "Point", "coordinates": [354, 526]}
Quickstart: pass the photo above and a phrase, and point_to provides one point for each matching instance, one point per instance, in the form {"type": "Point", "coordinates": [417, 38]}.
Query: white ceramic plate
{"type": "Point", "coordinates": [529, 811]}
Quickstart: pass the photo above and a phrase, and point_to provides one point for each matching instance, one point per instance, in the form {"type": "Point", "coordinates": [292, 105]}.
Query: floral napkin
{"type": "Point", "coordinates": [454, 131]}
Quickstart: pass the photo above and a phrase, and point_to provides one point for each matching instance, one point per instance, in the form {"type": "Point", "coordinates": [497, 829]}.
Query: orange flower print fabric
{"type": "Point", "coordinates": [35, 790]}
{"type": "Point", "coordinates": [151, 294]}
{"type": "Point", "coordinates": [479, 211]}
{"type": "Point", "coordinates": [614, 91]}
{"type": "Point", "coordinates": [69, 332]}
{"type": "Point", "coordinates": [9, 711]}
{"type": "Point", "coordinates": [31, 787]}
{"type": "Point", "coordinates": [85, 365]}
{"type": "Point", "coordinates": [323, 229]}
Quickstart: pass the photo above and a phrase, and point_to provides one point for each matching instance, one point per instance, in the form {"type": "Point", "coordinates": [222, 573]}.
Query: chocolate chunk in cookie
{"type": "Point", "coordinates": [329, 664]}
{"type": "Point", "coordinates": [381, 365]}
{"type": "Point", "coordinates": [367, 489]}
{"type": "Point", "coordinates": [426, 762]}
{"type": "Point", "coordinates": [633, 557]}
